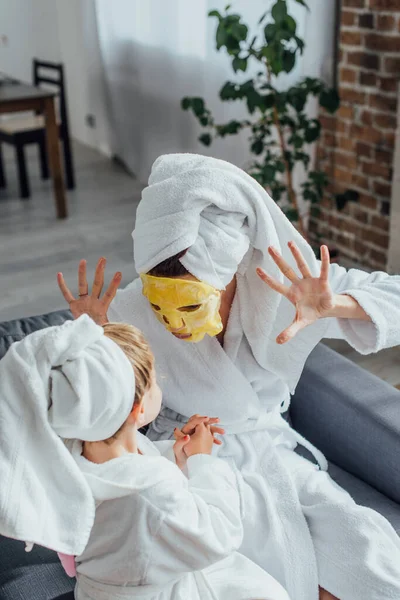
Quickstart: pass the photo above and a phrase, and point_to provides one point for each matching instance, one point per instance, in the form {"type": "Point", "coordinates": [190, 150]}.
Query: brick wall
{"type": "Point", "coordinates": [357, 144]}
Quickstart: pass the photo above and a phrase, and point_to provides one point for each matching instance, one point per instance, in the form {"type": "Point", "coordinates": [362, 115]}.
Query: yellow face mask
{"type": "Point", "coordinates": [189, 309]}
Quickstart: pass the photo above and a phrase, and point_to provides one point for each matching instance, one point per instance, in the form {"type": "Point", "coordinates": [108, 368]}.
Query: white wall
{"type": "Point", "coordinates": [31, 31]}
{"type": "Point", "coordinates": [66, 31]}
{"type": "Point", "coordinates": [156, 52]}
{"type": "Point", "coordinates": [80, 52]}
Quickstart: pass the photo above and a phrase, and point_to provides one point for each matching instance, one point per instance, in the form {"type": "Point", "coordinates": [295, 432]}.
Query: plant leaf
{"type": "Point", "coordinates": [257, 147]}
{"type": "Point", "coordinates": [269, 172]}
{"type": "Point", "coordinates": [290, 24]}
{"type": "Point", "coordinates": [221, 35]}
{"type": "Point", "coordinates": [239, 64]}
{"type": "Point", "coordinates": [198, 106]}
{"type": "Point", "coordinates": [312, 132]}
{"type": "Point", "coordinates": [292, 214]}
{"type": "Point", "coordinates": [270, 32]}
{"type": "Point", "coordinates": [303, 3]}
{"type": "Point", "coordinates": [205, 139]}
{"type": "Point", "coordinates": [215, 13]}
{"type": "Point", "coordinates": [300, 44]}
{"type": "Point", "coordinates": [186, 103]}
{"type": "Point", "coordinates": [229, 91]}
{"type": "Point", "coordinates": [288, 60]}
{"type": "Point", "coordinates": [330, 100]}
{"type": "Point", "coordinates": [279, 11]}
{"type": "Point", "coordinates": [239, 31]}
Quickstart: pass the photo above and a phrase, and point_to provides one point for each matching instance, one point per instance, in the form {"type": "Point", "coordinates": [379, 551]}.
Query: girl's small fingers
{"type": "Point", "coordinates": [179, 444]}
{"type": "Point", "coordinates": [196, 421]}
{"type": "Point", "coordinates": [218, 430]}
{"type": "Point", "coordinates": [64, 289]}
{"type": "Point", "coordinates": [178, 434]}
{"type": "Point", "coordinates": [217, 442]}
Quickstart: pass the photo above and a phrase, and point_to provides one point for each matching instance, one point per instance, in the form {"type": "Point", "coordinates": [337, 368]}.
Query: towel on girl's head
{"type": "Point", "coordinates": [227, 221]}
{"type": "Point", "coordinates": [68, 381]}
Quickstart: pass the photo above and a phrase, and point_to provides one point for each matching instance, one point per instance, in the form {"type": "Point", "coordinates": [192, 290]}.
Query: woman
{"type": "Point", "coordinates": [212, 249]}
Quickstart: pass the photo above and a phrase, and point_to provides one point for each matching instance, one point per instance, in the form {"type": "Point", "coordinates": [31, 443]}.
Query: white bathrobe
{"type": "Point", "coordinates": [298, 524]}
{"type": "Point", "coordinates": [159, 535]}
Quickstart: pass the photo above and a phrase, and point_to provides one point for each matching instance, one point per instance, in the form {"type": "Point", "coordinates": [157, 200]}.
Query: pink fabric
{"type": "Point", "coordinates": [68, 562]}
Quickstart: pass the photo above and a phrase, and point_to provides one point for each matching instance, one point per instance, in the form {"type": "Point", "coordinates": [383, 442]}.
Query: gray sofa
{"type": "Point", "coordinates": [352, 416]}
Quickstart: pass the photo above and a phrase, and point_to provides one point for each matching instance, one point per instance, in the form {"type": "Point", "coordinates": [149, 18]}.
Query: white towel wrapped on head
{"type": "Point", "coordinates": [227, 221]}
{"type": "Point", "coordinates": [68, 381]}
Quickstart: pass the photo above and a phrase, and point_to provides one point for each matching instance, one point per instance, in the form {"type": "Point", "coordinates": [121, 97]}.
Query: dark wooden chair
{"type": "Point", "coordinates": [31, 130]}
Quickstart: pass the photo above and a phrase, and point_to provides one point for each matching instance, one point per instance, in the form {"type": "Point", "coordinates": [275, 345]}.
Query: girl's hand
{"type": "Point", "coordinates": [179, 448]}
{"type": "Point", "coordinates": [312, 296]}
{"type": "Point", "coordinates": [88, 302]}
{"type": "Point", "coordinates": [201, 442]}
{"type": "Point", "coordinates": [195, 420]}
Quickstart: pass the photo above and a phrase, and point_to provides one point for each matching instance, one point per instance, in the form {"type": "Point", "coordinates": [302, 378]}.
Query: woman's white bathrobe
{"type": "Point", "coordinates": [298, 524]}
{"type": "Point", "coordinates": [159, 535]}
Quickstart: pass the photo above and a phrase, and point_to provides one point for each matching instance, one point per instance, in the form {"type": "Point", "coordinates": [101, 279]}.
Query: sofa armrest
{"type": "Point", "coordinates": [352, 416]}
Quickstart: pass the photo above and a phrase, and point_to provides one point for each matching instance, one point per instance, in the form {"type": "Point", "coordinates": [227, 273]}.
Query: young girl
{"type": "Point", "coordinates": [155, 533]}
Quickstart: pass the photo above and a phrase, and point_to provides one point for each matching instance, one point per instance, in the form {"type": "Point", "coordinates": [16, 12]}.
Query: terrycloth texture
{"type": "Point", "coordinates": [161, 536]}
{"type": "Point", "coordinates": [229, 383]}
{"type": "Point", "coordinates": [357, 550]}
{"type": "Point", "coordinates": [227, 221]}
{"type": "Point", "coordinates": [68, 381]}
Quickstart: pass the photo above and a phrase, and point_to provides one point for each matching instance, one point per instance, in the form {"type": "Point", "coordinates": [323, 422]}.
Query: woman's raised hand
{"type": "Point", "coordinates": [312, 296]}
{"type": "Point", "coordinates": [91, 303]}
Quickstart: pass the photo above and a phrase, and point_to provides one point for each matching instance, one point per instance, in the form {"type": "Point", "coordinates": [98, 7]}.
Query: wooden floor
{"type": "Point", "coordinates": [34, 245]}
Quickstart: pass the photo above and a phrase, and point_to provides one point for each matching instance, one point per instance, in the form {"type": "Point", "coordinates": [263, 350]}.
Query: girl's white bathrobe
{"type": "Point", "coordinates": [159, 535]}
{"type": "Point", "coordinates": [298, 524]}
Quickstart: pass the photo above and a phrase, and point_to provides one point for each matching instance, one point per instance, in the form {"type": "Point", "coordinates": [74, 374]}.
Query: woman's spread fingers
{"type": "Point", "coordinates": [112, 289]}
{"type": "Point", "coordinates": [64, 289]}
{"type": "Point", "coordinates": [289, 333]}
{"type": "Point", "coordinates": [83, 288]}
{"type": "Point", "coordinates": [284, 267]}
{"type": "Point", "coordinates": [300, 260]}
{"type": "Point", "coordinates": [273, 283]}
{"type": "Point", "coordinates": [325, 263]}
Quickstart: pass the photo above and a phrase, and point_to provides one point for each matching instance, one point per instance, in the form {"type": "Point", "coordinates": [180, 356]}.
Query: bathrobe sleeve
{"type": "Point", "coordinates": [201, 521]}
{"type": "Point", "coordinates": [379, 295]}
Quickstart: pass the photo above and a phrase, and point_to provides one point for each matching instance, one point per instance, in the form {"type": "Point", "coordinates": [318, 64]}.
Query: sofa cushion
{"type": "Point", "coordinates": [13, 331]}
{"type": "Point", "coordinates": [352, 416]}
{"type": "Point", "coordinates": [36, 575]}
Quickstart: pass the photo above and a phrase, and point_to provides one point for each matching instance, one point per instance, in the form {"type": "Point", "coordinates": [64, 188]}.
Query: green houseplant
{"type": "Point", "coordinates": [278, 125]}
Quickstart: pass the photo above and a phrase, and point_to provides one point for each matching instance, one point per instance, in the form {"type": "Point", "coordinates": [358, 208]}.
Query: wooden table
{"type": "Point", "coordinates": [17, 97]}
